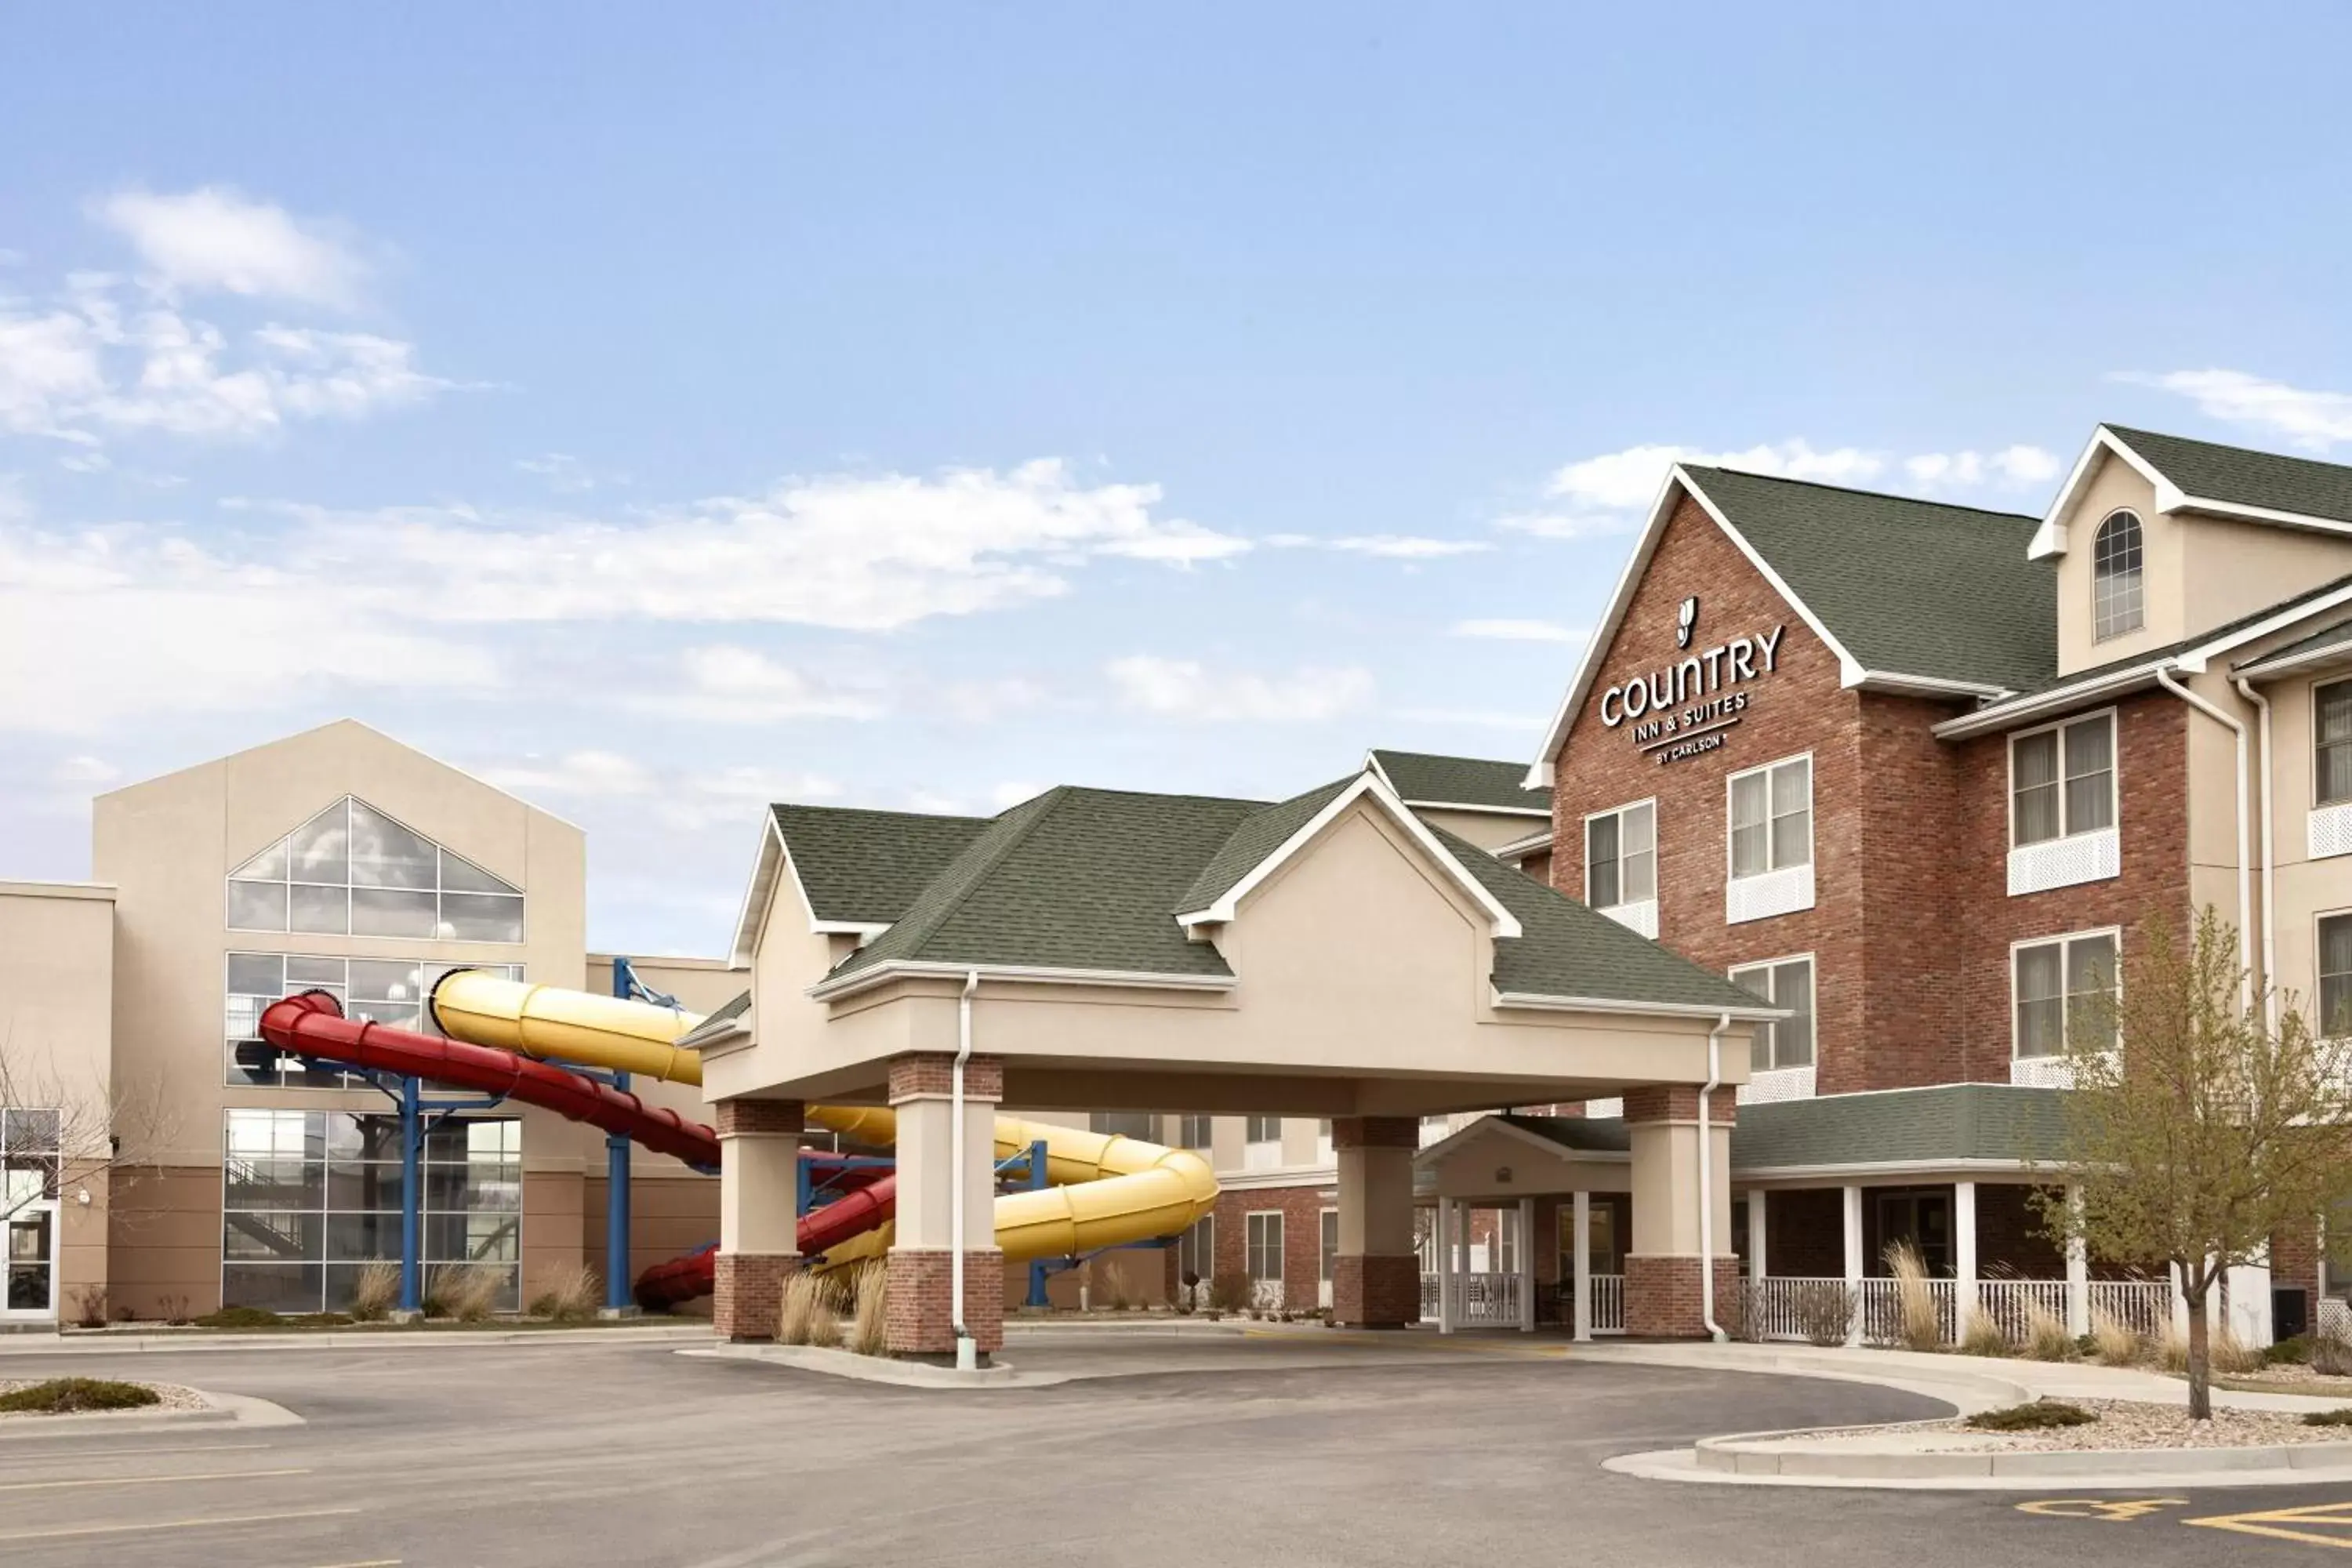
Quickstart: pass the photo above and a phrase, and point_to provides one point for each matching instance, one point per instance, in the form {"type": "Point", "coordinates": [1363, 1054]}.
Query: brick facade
{"type": "Point", "coordinates": [1375, 1292]}
{"type": "Point", "coordinates": [920, 1313]}
{"type": "Point", "coordinates": [1662, 1296]}
{"type": "Point", "coordinates": [1302, 1236]}
{"type": "Point", "coordinates": [1375, 1132]}
{"type": "Point", "coordinates": [1679, 1102]}
{"type": "Point", "coordinates": [933, 1073]}
{"type": "Point", "coordinates": [757, 1118]}
{"type": "Point", "coordinates": [749, 1300]}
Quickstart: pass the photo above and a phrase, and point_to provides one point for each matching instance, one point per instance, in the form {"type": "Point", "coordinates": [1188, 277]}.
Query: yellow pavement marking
{"type": "Point", "coordinates": [2274, 1522]}
{"type": "Point", "coordinates": [2116, 1511]}
{"type": "Point", "coordinates": [173, 1524]}
{"type": "Point", "coordinates": [144, 1480]}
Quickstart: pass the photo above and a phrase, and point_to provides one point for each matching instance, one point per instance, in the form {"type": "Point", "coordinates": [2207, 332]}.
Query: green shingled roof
{"type": "Point", "coordinates": [1909, 587]}
{"type": "Point", "coordinates": [1422, 779]}
{"type": "Point", "coordinates": [2327, 637]}
{"type": "Point", "coordinates": [1257, 835]}
{"type": "Point", "coordinates": [865, 867]}
{"type": "Point", "coordinates": [1076, 879]}
{"type": "Point", "coordinates": [1936, 1125]}
{"type": "Point", "coordinates": [2151, 656]}
{"type": "Point", "coordinates": [2206, 470]}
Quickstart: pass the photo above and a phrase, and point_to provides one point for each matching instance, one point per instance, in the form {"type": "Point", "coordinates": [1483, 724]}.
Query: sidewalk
{"type": "Point", "coordinates": [120, 1341]}
{"type": "Point", "coordinates": [1893, 1458]}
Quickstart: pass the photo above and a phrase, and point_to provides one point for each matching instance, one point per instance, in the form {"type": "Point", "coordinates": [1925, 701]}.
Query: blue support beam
{"type": "Point", "coordinates": [617, 1299]}
{"type": "Point", "coordinates": [411, 1196]}
{"type": "Point", "coordinates": [1036, 1182]}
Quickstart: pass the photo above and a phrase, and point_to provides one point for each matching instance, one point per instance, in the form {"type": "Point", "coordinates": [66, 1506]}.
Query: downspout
{"type": "Point", "coordinates": [1706, 1183]}
{"type": "Point", "coordinates": [2269, 855]}
{"type": "Point", "coordinates": [967, 1353]}
{"type": "Point", "coordinates": [2245, 849]}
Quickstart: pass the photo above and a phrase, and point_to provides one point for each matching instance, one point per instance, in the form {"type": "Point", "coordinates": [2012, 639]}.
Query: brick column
{"type": "Point", "coordinates": [922, 1258]}
{"type": "Point", "coordinates": [759, 1233]}
{"type": "Point", "coordinates": [1375, 1278]}
{"type": "Point", "coordinates": [1662, 1268]}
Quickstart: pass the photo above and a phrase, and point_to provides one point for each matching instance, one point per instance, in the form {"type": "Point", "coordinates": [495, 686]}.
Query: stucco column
{"type": "Point", "coordinates": [922, 1310]}
{"type": "Point", "coordinates": [1663, 1273]}
{"type": "Point", "coordinates": [1375, 1274]}
{"type": "Point", "coordinates": [2078, 1275]}
{"type": "Point", "coordinates": [1964, 1256]}
{"type": "Point", "coordinates": [1581, 1251]}
{"type": "Point", "coordinates": [1851, 1212]}
{"type": "Point", "coordinates": [1757, 1230]}
{"type": "Point", "coordinates": [1526, 1222]}
{"type": "Point", "coordinates": [758, 1227]}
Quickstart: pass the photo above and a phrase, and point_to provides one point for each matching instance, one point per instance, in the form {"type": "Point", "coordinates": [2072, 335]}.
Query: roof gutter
{"type": "Point", "coordinates": [1540, 1002]}
{"type": "Point", "coordinates": [1706, 1183]}
{"type": "Point", "coordinates": [918, 969]}
{"type": "Point", "coordinates": [2270, 854]}
{"type": "Point", "coordinates": [2237, 728]}
{"type": "Point", "coordinates": [966, 1351]}
{"type": "Point", "coordinates": [2006, 715]}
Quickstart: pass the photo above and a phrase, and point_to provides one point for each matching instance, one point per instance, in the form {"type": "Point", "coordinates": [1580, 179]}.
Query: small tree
{"type": "Point", "coordinates": [2210, 1128]}
{"type": "Point", "coordinates": [73, 1130]}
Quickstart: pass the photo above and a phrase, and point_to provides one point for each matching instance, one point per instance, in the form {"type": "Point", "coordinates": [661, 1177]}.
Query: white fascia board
{"type": "Point", "coordinates": [1372, 764]}
{"type": "Point", "coordinates": [1540, 1002]}
{"type": "Point", "coordinates": [1528, 846]}
{"type": "Point", "coordinates": [2269, 624]}
{"type": "Point", "coordinates": [1544, 812]}
{"type": "Point", "coordinates": [1850, 668]}
{"type": "Point", "coordinates": [2008, 715]}
{"type": "Point", "coordinates": [1875, 1167]}
{"type": "Point", "coordinates": [762, 890]}
{"type": "Point", "coordinates": [2050, 539]}
{"type": "Point", "coordinates": [1929, 685]}
{"type": "Point", "coordinates": [914, 968]}
{"type": "Point", "coordinates": [2263, 514]}
{"type": "Point", "coordinates": [2326, 653]}
{"type": "Point", "coordinates": [1495, 1123]}
{"type": "Point", "coordinates": [1501, 922]}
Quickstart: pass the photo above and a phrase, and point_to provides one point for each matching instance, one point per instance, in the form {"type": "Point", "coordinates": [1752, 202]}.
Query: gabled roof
{"type": "Point", "coordinates": [2205, 475]}
{"type": "Point", "coordinates": [1432, 782]}
{"type": "Point", "coordinates": [1856, 566]}
{"type": "Point", "coordinates": [2329, 642]}
{"type": "Point", "coordinates": [857, 869]}
{"type": "Point", "coordinates": [1940, 1124]}
{"type": "Point", "coordinates": [1257, 835]}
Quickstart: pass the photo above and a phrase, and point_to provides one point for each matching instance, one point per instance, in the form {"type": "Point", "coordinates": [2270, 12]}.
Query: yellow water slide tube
{"type": "Point", "coordinates": [1107, 1189]}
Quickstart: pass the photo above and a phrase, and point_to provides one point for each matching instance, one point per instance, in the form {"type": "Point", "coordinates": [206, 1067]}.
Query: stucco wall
{"type": "Point", "coordinates": [56, 998]}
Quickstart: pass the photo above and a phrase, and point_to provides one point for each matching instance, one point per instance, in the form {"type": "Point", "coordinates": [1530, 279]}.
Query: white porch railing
{"type": "Point", "coordinates": [1882, 1307]}
{"type": "Point", "coordinates": [1487, 1299]}
{"type": "Point", "coordinates": [1607, 1303]}
{"type": "Point", "coordinates": [2143, 1306]}
{"type": "Point", "coordinates": [2013, 1305]}
{"type": "Point", "coordinates": [1799, 1308]}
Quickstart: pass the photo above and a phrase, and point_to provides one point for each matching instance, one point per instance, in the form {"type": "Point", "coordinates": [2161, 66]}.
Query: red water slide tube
{"type": "Point", "coordinates": [313, 1024]}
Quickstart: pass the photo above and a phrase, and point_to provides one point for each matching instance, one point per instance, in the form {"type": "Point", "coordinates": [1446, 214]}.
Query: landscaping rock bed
{"type": "Point", "coordinates": [169, 1397]}
{"type": "Point", "coordinates": [2121, 1423]}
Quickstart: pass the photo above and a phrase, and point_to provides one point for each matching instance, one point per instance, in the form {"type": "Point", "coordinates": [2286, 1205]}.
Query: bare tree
{"type": "Point", "coordinates": [2206, 1116]}
{"type": "Point", "coordinates": [62, 1131]}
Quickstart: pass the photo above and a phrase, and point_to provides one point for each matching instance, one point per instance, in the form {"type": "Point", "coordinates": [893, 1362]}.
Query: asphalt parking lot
{"type": "Point", "coordinates": [580, 1453]}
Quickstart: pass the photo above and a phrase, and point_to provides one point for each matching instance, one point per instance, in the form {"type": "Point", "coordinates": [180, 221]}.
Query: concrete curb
{"type": "Point", "coordinates": [219, 1409]}
{"type": "Point", "coordinates": [335, 1338]}
{"type": "Point", "coordinates": [1786, 1454]}
{"type": "Point", "coordinates": [1015, 1328]}
{"type": "Point", "coordinates": [855, 1368]}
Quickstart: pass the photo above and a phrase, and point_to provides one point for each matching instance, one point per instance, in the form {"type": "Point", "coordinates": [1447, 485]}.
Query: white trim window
{"type": "Point", "coordinates": [2118, 602]}
{"type": "Point", "coordinates": [1621, 864]}
{"type": "Point", "coordinates": [2331, 743]}
{"type": "Point", "coordinates": [2064, 800]}
{"type": "Point", "coordinates": [2060, 989]}
{"type": "Point", "coordinates": [2336, 975]}
{"type": "Point", "coordinates": [1196, 1251]}
{"type": "Point", "coordinates": [32, 1162]}
{"type": "Point", "coordinates": [1196, 1132]}
{"type": "Point", "coordinates": [1261, 1142]}
{"type": "Point", "coordinates": [1769, 854]}
{"type": "Point", "coordinates": [1263, 1253]}
{"type": "Point", "coordinates": [1142, 1126]}
{"type": "Point", "coordinates": [1788, 983]}
{"type": "Point", "coordinates": [1330, 1250]}
{"type": "Point", "coordinates": [352, 870]}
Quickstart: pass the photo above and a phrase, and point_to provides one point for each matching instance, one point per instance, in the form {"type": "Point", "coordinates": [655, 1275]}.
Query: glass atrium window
{"type": "Point", "coordinates": [352, 871]}
{"type": "Point", "coordinates": [2118, 603]}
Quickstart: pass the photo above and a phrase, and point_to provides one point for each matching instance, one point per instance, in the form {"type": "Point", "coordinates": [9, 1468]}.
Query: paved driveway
{"type": "Point", "coordinates": [1356, 1456]}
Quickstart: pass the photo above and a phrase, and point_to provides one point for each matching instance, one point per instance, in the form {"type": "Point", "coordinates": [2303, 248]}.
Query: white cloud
{"type": "Point", "coordinates": [1568, 524]}
{"type": "Point", "coordinates": [1012, 792]}
{"type": "Point", "coordinates": [854, 552]}
{"type": "Point", "coordinates": [84, 769]}
{"type": "Point", "coordinates": [213, 239]}
{"type": "Point", "coordinates": [730, 685]}
{"type": "Point", "coordinates": [1476, 719]}
{"type": "Point", "coordinates": [2312, 420]}
{"type": "Point", "coordinates": [1617, 481]}
{"type": "Point", "coordinates": [1186, 689]}
{"type": "Point", "coordinates": [576, 774]}
{"type": "Point", "coordinates": [686, 799]}
{"type": "Point", "coordinates": [1519, 631]}
{"type": "Point", "coordinates": [1387, 546]}
{"type": "Point", "coordinates": [2017, 465]}
{"type": "Point", "coordinates": [565, 474]}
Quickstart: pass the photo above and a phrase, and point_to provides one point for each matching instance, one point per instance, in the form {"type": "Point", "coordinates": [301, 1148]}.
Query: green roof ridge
{"type": "Point", "coordinates": [1254, 837]}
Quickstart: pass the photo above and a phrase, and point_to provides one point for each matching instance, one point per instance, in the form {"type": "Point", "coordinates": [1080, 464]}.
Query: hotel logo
{"type": "Point", "coordinates": [1684, 710]}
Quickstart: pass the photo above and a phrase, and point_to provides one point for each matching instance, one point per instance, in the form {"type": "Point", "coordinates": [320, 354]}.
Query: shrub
{"type": "Point", "coordinates": [65, 1396]}
{"type": "Point", "coordinates": [869, 1328]}
{"type": "Point", "coordinates": [2113, 1343]}
{"type": "Point", "coordinates": [572, 1295]}
{"type": "Point", "coordinates": [2040, 1415]}
{"type": "Point", "coordinates": [375, 1292]}
{"type": "Point", "coordinates": [1922, 1323]}
{"type": "Point", "coordinates": [1823, 1310]}
{"type": "Point", "coordinates": [1982, 1336]}
{"type": "Point", "coordinates": [469, 1292]}
{"type": "Point", "coordinates": [1231, 1292]}
{"type": "Point", "coordinates": [805, 1301]}
{"type": "Point", "coordinates": [2331, 1355]}
{"type": "Point", "coordinates": [2294, 1350]}
{"type": "Point", "coordinates": [240, 1318]}
{"type": "Point", "coordinates": [2226, 1355]}
{"type": "Point", "coordinates": [174, 1308]}
{"type": "Point", "coordinates": [2046, 1338]}
{"type": "Point", "coordinates": [2339, 1416]}
{"type": "Point", "coordinates": [825, 1323]}
{"type": "Point", "coordinates": [89, 1306]}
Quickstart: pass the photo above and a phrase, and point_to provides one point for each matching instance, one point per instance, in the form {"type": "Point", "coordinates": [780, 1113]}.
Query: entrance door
{"type": "Point", "coordinates": [32, 1262]}
{"type": "Point", "coordinates": [1923, 1219]}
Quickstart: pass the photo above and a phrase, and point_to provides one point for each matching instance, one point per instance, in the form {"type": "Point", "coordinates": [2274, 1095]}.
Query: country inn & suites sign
{"type": "Point", "coordinates": [1685, 708]}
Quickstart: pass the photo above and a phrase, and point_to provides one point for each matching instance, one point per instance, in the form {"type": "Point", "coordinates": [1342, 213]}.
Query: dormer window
{"type": "Point", "coordinates": [2117, 604]}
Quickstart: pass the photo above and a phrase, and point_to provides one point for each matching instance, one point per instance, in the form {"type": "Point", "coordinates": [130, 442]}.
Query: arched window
{"type": "Point", "coordinates": [2116, 604]}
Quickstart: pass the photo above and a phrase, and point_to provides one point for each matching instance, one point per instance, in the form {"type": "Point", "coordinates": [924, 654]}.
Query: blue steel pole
{"type": "Point", "coordinates": [617, 1182]}
{"type": "Point", "coordinates": [411, 1198]}
{"type": "Point", "coordinates": [1036, 1182]}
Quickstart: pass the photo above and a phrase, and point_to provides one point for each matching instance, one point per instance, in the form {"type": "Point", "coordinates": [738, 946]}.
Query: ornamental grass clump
{"type": "Point", "coordinates": [869, 1325]}
{"type": "Point", "coordinates": [1922, 1321]}
{"type": "Point", "coordinates": [375, 1292]}
{"type": "Point", "coordinates": [1982, 1336]}
{"type": "Point", "coordinates": [804, 1301]}
{"type": "Point", "coordinates": [2046, 1338]}
{"type": "Point", "coordinates": [2114, 1343]}
{"type": "Point", "coordinates": [572, 1295]}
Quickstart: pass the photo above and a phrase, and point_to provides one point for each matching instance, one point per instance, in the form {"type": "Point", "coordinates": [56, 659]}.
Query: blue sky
{"type": "Point", "coordinates": [657, 414]}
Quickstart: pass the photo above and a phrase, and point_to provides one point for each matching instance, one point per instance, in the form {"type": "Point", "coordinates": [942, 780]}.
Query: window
{"type": "Point", "coordinates": [2117, 603]}
{"type": "Point", "coordinates": [1264, 1258]}
{"type": "Point", "coordinates": [1141, 1125]}
{"type": "Point", "coordinates": [352, 871]}
{"type": "Point", "coordinates": [2336, 975]}
{"type": "Point", "coordinates": [30, 1154]}
{"type": "Point", "coordinates": [309, 1198]}
{"type": "Point", "coordinates": [387, 991]}
{"type": "Point", "coordinates": [1331, 1241]}
{"type": "Point", "coordinates": [2061, 781]}
{"type": "Point", "coordinates": [1195, 1132]}
{"type": "Point", "coordinates": [1620, 855]}
{"type": "Point", "coordinates": [2059, 985]}
{"type": "Point", "coordinates": [1196, 1251]}
{"type": "Point", "coordinates": [1773, 818]}
{"type": "Point", "coordinates": [2331, 731]}
{"type": "Point", "coordinates": [1787, 1042]}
